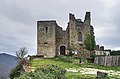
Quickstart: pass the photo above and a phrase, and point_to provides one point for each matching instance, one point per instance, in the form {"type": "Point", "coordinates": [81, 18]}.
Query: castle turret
{"type": "Point", "coordinates": [71, 17]}
{"type": "Point", "coordinates": [87, 18]}
{"type": "Point", "coordinates": [72, 31]}
{"type": "Point", "coordinates": [46, 38]}
{"type": "Point", "coordinates": [87, 24]}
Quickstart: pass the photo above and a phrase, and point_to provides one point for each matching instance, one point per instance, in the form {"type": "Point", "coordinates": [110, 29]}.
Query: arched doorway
{"type": "Point", "coordinates": [62, 50]}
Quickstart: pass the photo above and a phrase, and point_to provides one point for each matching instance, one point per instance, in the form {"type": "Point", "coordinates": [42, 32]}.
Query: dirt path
{"type": "Point", "coordinates": [94, 71]}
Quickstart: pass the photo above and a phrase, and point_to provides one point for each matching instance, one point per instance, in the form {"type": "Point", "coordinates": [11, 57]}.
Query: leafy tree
{"type": "Point", "coordinates": [18, 70]}
{"type": "Point", "coordinates": [90, 42]}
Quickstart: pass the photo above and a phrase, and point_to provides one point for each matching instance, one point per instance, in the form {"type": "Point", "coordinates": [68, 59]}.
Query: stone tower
{"type": "Point", "coordinates": [52, 40]}
{"type": "Point", "coordinates": [46, 38]}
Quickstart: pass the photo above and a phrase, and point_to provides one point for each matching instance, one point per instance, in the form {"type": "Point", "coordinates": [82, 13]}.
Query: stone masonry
{"type": "Point", "coordinates": [52, 40]}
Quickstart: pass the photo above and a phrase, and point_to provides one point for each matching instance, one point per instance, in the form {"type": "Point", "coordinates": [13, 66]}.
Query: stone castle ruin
{"type": "Point", "coordinates": [52, 40]}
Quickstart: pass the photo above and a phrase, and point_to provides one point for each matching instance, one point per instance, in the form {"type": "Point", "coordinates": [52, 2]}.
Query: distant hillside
{"type": "Point", "coordinates": [7, 63]}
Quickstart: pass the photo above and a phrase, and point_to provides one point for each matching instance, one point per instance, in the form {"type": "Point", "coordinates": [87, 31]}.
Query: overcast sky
{"type": "Point", "coordinates": [18, 20]}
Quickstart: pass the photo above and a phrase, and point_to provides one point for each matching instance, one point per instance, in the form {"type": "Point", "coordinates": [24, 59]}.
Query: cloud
{"type": "Point", "coordinates": [15, 13]}
{"type": "Point", "coordinates": [107, 25]}
{"type": "Point", "coordinates": [18, 20]}
{"type": "Point", "coordinates": [15, 35]}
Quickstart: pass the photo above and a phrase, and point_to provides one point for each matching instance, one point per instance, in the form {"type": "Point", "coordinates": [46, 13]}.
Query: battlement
{"type": "Point", "coordinates": [71, 16]}
{"type": "Point", "coordinates": [87, 16]}
{"type": "Point", "coordinates": [47, 21]}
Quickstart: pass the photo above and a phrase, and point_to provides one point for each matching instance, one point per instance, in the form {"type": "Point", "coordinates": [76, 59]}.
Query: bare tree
{"type": "Point", "coordinates": [21, 54]}
{"type": "Point", "coordinates": [18, 70]}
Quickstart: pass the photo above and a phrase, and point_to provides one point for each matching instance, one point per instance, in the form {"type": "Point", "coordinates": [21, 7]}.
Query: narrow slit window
{"type": "Point", "coordinates": [46, 29]}
{"type": "Point", "coordinates": [79, 37]}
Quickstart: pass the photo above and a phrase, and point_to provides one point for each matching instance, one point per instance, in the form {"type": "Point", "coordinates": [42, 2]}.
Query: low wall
{"type": "Point", "coordinates": [107, 60]}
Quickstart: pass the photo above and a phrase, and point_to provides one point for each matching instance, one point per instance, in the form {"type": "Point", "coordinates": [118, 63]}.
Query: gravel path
{"type": "Point", "coordinates": [94, 71]}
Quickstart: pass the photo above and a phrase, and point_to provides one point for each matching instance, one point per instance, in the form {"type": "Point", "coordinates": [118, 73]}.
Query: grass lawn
{"type": "Point", "coordinates": [56, 61]}
{"type": "Point", "coordinates": [75, 75]}
{"type": "Point", "coordinates": [72, 63]}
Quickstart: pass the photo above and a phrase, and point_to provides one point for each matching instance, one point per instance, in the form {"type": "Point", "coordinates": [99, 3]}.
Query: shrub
{"type": "Point", "coordinates": [90, 42]}
{"type": "Point", "coordinates": [16, 71]}
{"type": "Point", "coordinates": [114, 53]}
{"type": "Point", "coordinates": [45, 72]}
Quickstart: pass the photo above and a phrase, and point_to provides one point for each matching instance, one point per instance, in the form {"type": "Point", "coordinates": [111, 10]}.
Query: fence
{"type": "Point", "coordinates": [107, 60]}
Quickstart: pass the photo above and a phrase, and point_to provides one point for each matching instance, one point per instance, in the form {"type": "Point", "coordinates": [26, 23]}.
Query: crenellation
{"type": "Point", "coordinates": [71, 17]}
{"type": "Point", "coordinates": [87, 16]}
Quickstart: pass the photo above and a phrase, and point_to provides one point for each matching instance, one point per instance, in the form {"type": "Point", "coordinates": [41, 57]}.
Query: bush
{"type": "Point", "coordinates": [16, 72]}
{"type": "Point", "coordinates": [45, 72]}
{"type": "Point", "coordinates": [89, 41]}
{"type": "Point", "coordinates": [114, 53]}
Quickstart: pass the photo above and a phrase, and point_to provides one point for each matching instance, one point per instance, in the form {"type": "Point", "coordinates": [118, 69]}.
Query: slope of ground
{"type": "Point", "coordinates": [76, 70]}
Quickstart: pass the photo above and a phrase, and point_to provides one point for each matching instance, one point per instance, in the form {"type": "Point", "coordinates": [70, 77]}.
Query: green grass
{"type": "Point", "coordinates": [76, 75]}
{"type": "Point", "coordinates": [61, 62]}
{"type": "Point", "coordinates": [69, 62]}
{"type": "Point", "coordinates": [92, 65]}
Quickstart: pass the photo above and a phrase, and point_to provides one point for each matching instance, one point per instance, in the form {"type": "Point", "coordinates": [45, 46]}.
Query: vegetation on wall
{"type": "Point", "coordinates": [90, 42]}
{"type": "Point", "coordinates": [114, 53]}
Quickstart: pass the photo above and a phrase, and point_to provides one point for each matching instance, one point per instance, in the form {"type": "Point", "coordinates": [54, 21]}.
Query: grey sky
{"type": "Point", "coordinates": [18, 20]}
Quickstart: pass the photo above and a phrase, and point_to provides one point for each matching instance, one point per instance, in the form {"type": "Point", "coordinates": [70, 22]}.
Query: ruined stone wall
{"type": "Point", "coordinates": [72, 32]}
{"type": "Point", "coordinates": [76, 27]}
{"type": "Point", "coordinates": [46, 38]}
{"type": "Point", "coordinates": [50, 36]}
{"type": "Point", "coordinates": [59, 35]}
{"type": "Point", "coordinates": [61, 39]}
{"type": "Point", "coordinates": [87, 24]}
{"type": "Point", "coordinates": [107, 60]}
